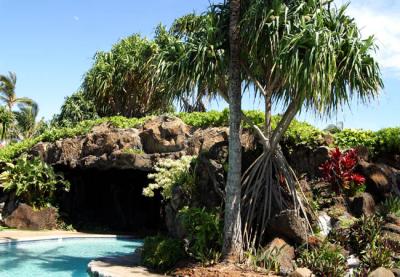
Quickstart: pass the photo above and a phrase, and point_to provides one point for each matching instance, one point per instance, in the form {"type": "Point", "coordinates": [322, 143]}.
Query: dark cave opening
{"type": "Point", "coordinates": [110, 200]}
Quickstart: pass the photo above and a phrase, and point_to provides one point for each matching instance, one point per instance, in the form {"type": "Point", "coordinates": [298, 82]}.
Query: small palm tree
{"type": "Point", "coordinates": [6, 120]}
{"type": "Point", "coordinates": [7, 92]}
{"type": "Point", "coordinates": [26, 121]}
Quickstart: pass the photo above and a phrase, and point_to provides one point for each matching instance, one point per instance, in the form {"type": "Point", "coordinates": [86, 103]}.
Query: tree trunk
{"type": "Point", "coordinates": [232, 246]}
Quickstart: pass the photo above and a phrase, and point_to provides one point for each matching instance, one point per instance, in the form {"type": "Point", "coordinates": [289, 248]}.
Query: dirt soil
{"type": "Point", "coordinates": [218, 270]}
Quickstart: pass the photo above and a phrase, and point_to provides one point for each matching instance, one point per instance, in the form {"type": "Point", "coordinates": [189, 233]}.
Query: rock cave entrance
{"type": "Point", "coordinates": [110, 200]}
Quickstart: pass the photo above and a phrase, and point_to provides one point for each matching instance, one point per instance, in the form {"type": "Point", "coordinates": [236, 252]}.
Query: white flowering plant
{"type": "Point", "coordinates": [169, 174]}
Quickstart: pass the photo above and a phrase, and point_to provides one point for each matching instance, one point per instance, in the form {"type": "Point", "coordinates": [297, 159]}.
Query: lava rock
{"type": "Point", "coordinates": [289, 225]}
{"type": "Point", "coordinates": [364, 204]}
{"type": "Point", "coordinates": [381, 272]}
{"type": "Point", "coordinates": [24, 217]}
{"type": "Point", "coordinates": [164, 134]}
{"type": "Point", "coordinates": [301, 272]}
{"type": "Point", "coordinates": [284, 254]}
{"type": "Point", "coordinates": [381, 179]}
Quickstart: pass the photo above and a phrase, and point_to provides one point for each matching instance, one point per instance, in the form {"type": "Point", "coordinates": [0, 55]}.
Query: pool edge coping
{"type": "Point", "coordinates": [63, 236]}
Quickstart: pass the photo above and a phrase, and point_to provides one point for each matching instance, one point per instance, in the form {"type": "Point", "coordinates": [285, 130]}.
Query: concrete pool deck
{"type": "Point", "coordinates": [22, 235]}
{"type": "Point", "coordinates": [122, 266]}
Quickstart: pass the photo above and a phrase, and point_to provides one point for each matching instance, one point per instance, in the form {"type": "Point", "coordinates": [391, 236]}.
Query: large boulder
{"type": "Point", "coordinates": [104, 139]}
{"type": "Point", "coordinates": [290, 226]}
{"type": "Point", "coordinates": [25, 217]}
{"type": "Point", "coordinates": [283, 253]}
{"type": "Point", "coordinates": [164, 134]}
{"type": "Point", "coordinates": [301, 272]}
{"type": "Point", "coordinates": [307, 160]}
{"type": "Point", "coordinates": [381, 179]}
{"type": "Point", "coordinates": [203, 139]}
{"type": "Point", "coordinates": [391, 159]}
{"type": "Point", "coordinates": [381, 272]}
{"type": "Point", "coordinates": [363, 204]}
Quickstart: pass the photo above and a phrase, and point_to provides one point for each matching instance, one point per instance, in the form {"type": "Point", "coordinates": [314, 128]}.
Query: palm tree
{"type": "Point", "coordinates": [7, 92]}
{"type": "Point", "coordinates": [232, 246]}
{"type": "Point", "coordinates": [6, 120]}
{"type": "Point", "coordinates": [26, 121]}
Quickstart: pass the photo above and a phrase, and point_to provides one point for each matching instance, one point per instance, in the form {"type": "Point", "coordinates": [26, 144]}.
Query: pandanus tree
{"type": "Point", "coordinates": [191, 61]}
{"type": "Point", "coordinates": [121, 80]}
{"type": "Point", "coordinates": [75, 108]}
{"type": "Point", "coordinates": [301, 55]}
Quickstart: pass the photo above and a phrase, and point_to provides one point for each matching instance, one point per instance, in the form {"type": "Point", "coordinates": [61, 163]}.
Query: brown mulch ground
{"type": "Point", "coordinates": [218, 270]}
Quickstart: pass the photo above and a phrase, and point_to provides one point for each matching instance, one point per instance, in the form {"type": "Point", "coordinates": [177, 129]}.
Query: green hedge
{"type": "Point", "coordinates": [299, 133]}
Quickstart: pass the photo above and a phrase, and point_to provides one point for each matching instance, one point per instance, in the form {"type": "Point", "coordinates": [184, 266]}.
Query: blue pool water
{"type": "Point", "coordinates": [59, 258]}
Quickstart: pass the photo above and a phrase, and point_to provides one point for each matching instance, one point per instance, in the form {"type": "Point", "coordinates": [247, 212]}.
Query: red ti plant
{"type": "Point", "coordinates": [339, 171]}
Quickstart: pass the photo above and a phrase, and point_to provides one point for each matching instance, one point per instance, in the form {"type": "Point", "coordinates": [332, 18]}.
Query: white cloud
{"type": "Point", "coordinates": [76, 18]}
{"type": "Point", "coordinates": [381, 19]}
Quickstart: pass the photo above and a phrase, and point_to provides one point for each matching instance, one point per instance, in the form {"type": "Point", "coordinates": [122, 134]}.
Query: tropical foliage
{"type": "Point", "coordinates": [120, 81]}
{"type": "Point", "coordinates": [21, 123]}
{"type": "Point", "coordinates": [298, 54]}
{"type": "Point", "coordinates": [7, 92]}
{"type": "Point", "coordinates": [75, 109]}
{"type": "Point", "coordinates": [161, 253]}
{"type": "Point", "coordinates": [323, 260]}
{"type": "Point", "coordinates": [169, 174]}
{"type": "Point", "coordinates": [306, 55]}
{"type": "Point", "coordinates": [391, 205]}
{"type": "Point", "coordinates": [339, 170]}
{"type": "Point", "coordinates": [204, 233]}
{"type": "Point", "coordinates": [26, 124]}
{"type": "Point", "coordinates": [351, 138]}
{"type": "Point", "coordinates": [33, 181]}
{"type": "Point", "coordinates": [6, 121]}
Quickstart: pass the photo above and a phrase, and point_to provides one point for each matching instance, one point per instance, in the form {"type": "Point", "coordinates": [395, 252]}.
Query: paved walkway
{"type": "Point", "coordinates": [122, 266]}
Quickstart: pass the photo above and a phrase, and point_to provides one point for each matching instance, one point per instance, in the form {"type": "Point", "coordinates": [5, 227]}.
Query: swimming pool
{"type": "Point", "coordinates": [60, 257]}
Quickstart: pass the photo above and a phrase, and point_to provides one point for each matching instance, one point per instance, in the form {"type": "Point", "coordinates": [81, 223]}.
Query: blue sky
{"type": "Point", "coordinates": [50, 45]}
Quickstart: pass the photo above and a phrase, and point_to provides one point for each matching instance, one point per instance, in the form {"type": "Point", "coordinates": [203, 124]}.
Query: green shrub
{"type": "Point", "coordinates": [391, 206]}
{"type": "Point", "coordinates": [364, 237]}
{"type": "Point", "coordinates": [326, 260]}
{"type": "Point", "coordinates": [204, 230]}
{"type": "Point", "coordinates": [302, 133]}
{"type": "Point", "coordinates": [376, 256]}
{"type": "Point", "coordinates": [204, 120]}
{"type": "Point", "coordinates": [388, 140]}
{"type": "Point", "coordinates": [169, 174]}
{"type": "Point", "coordinates": [133, 151]}
{"type": "Point", "coordinates": [365, 232]}
{"type": "Point", "coordinates": [264, 258]}
{"type": "Point", "coordinates": [351, 138]}
{"type": "Point", "coordinates": [33, 181]}
{"type": "Point", "coordinates": [161, 253]}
